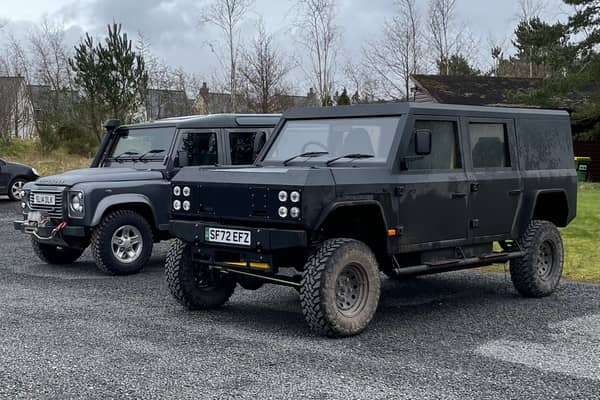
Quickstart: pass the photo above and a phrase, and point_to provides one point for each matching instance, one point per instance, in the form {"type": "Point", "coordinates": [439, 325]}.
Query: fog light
{"type": "Point", "coordinates": [295, 197]}
{"type": "Point", "coordinates": [294, 212]}
{"type": "Point", "coordinates": [283, 212]}
{"type": "Point", "coordinates": [177, 191]}
{"type": "Point", "coordinates": [186, 191]}
{"type": "Point", "coordinates": [282, 196]}
{"type": "Point", "coordinates": [177, 205]}
{"type": "Point", "coordinates": [186, 205]}
{"type": "Point", "coordinates": [23, 205]}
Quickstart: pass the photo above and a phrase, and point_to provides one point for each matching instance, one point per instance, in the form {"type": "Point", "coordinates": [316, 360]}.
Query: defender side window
{"type": "Point", "coordinates": [242, 147]}
{"type": "Point", "coordinates": [445, 150]}
{"type": "Point", "coordinates": [197, 148]}
{"type": "Point", "coordinates": [489, 145]}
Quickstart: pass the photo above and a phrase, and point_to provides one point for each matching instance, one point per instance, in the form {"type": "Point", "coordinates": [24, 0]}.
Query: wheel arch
{"type": "Point", "coordinates": [134, 202]}
{"type": "Point", "coordinates": [551, 205]}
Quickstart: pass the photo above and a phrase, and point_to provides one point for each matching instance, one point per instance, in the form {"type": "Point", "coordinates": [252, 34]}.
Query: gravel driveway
{"type": "Point", "coordinates": [71, 332]}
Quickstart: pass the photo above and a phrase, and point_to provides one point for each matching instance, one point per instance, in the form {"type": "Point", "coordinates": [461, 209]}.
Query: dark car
{"type": "Point", "coordinates": [120, 206]}
{"type": "Point", "coordinates": [340, 194]}
{"type": "Point", "coordinates": [13, 177]}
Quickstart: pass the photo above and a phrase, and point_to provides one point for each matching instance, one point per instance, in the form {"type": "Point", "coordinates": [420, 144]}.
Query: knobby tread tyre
{"type": "Point", "coordinates": [179, 274]}
{"type": "Point", "coordinates": [524, 271]}
{"type": "Point", "coordinates": [101, 242]}
{"type": "Point", "coordinates": [319, 272]}
{"type": "Point", "coordinates": [55, 255]}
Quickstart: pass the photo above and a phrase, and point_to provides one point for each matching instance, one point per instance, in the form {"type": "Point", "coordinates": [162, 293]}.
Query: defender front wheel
{"type": "Point", "coordinates": [194, 285]}
{"type": "Point", "coordinates": [122, 243]}
{"type": "Point", "coordinates": [340, 288]}
{"type": "Point", "coordinates": [56, 255]}
{"type": "Point", "coordinates": [538, 272]}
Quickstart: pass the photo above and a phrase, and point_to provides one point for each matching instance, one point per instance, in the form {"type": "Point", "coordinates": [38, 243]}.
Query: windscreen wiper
{"type": "Point", "coordinates": [127, 153]}
{"type": "Point", "coordinates": [354, 156]}
{"type": "Point", "coordinates": [309, 154]}
{"type": "Point", "coordinates": [154, 151]}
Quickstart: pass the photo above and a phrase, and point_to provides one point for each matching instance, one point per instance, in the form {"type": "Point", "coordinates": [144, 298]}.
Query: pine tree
{"type": "Point", "coordinates": [343, 99]}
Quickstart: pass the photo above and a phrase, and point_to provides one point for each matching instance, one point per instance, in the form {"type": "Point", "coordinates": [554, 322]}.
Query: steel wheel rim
{"type": "Point", "coordinates": [545, 259]}
{"type": "Point", "coordinates": [351, 290]}
{"type": "Point", "coordinates": [127, 244]}
{"type": "Point", "coordinates": [16, 188]}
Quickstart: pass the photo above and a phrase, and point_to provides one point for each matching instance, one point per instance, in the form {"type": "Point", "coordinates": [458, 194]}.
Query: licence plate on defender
{"type": "Point", "coordinates": [227, 236]}
{"type": "Point", "coordinates": [44, 199]}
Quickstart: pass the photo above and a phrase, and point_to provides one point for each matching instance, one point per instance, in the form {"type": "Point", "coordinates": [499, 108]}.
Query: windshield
{"type": "Point", "coordinates": [335, 137]}
{"type": "Point", "coordinates": [140, 145]}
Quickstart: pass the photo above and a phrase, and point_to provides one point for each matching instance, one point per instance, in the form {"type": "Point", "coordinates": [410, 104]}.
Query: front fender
{"type": "Point", "coordinates": [121, 199]}
{"type": "Point", "coordinates": [350, 203]}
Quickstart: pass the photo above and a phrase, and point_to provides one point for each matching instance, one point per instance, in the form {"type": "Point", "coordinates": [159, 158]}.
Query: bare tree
{"type": "Point", "coordinates": [444, 32]}
{"type": "Point", "coordinates": [529, 9]}
{"type": "Point", "coordinates": [398, 54]}
{"type": "Point", "coordinates": [320, 35]}
{"type": "Point", "coordinates": [227, 15]}
{"type": "Point", "coordinates": [364, 86]}
{"type": "Point", "coordinates": [264, 69]}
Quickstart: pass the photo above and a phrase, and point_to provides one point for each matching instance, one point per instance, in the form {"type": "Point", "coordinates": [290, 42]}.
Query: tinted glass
{"type": "Point", "coordinates": [545, 143]}
{"type": "Point", "coordinates": [197, 148]}
{"type": "Point", "coordinates": [242, 147]}
{"type": "Point", "coordinates": [445, 150]}
{"type": "Point", "coordinates": [153, 143]}
{"type": "Point", "coordinates": [337, 137]}
{"type": "Point", "coordinates": [489, 145]}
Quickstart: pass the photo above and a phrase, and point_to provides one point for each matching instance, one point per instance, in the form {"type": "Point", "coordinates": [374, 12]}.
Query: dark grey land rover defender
{"type": "Point", "coordinates": [340, 194]}
{"type": "Point", "coordinates": [121, 205]}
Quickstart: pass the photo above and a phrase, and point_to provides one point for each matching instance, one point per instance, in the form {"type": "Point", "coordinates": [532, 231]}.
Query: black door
{"type": "Point", "coordinates": [433, 189]}
{"type": "Point", "coordinates": [495, 187]}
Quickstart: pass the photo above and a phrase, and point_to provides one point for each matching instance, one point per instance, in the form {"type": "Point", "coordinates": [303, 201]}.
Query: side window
{"type": "Point", "coordinates": [242, 147]}
{"type": "Point", "coordinates": [445, 149]}
{"type": "Point", "coordinates": [197, 148]}
{"type": "Point", "coordinates": [489, 145]}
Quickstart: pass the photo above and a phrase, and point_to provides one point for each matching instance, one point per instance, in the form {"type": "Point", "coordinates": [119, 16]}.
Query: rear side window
{"type": "Point", "coordinates": [489, 145]}
{"type": "Point", "coordinates": [445, 150]}
{"type": "Point", "coordinates": [242, 147]}
{"type": "Point", "coordinates": [197, 148]}
{"type": "Point", "coordinates": [545, 143]}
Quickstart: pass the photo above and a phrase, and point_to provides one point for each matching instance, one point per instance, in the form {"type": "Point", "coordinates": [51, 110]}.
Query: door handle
{"type": "Point", "coordinates": [515, 192]}
{"type": "Point", "coordinates": [458, 195]}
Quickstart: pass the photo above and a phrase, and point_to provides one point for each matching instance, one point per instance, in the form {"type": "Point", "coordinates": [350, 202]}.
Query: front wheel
{"type": "Point", "coordinates": [122, 243]}
{"type": "Point", "coordinates": [15, 188]}
{"type": "Point", "coordinates": [538, 272]}
{"type": "Point", "coordinates": [340, 288]}
{"type": "Point", "coordinates": [195, 285]}
{"type": "Point", "coordinates": [56, 255]}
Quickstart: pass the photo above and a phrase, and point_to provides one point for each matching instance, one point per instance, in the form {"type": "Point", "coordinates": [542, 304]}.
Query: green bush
{"type": "Point", "coordinates": [75, 139]}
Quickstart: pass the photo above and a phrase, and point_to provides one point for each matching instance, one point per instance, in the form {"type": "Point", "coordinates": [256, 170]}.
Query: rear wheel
{"type": "Point", "coordinates": [15, 188]}
{"type": "Point", "coordinates": [538, 272]}
{"type": "Point", "coordinates": [56, 255]}
{"type": "Point", "coordinates": [194, 285]}
{"type": "Point", "coordinates": [340, 288]}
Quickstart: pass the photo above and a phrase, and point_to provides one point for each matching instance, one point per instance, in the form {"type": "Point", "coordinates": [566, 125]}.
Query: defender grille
{"type": "Point", "coordinates": [55, 211]}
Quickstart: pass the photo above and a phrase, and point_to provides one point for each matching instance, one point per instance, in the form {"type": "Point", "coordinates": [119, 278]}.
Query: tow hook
{"type": "Point", "coordinates": [54, 232]}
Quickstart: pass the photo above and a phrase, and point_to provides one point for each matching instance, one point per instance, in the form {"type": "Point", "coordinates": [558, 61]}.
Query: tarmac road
{"type": "Point", "coordinates": [71, 332]}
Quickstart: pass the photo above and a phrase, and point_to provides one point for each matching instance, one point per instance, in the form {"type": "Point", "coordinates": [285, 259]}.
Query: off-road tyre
{"type": "Point", "coordinates": [14, 182]}
{"type": "Point", "coordinates": [55, 255]}
{"type": "Point", "coordinates": [101, 242]}
{"type": "Point", "coordinates": [182, 276]}
{"type": "Point", "coordinates": [320, 295]}
{"type": "Point", "coordinates": [538, 272]}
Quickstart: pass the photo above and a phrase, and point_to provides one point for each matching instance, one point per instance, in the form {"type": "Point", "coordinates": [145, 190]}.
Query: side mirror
{"type": "Point", "coordinates": [182, 159]}
{"type": "Point", "coordinates": [422, 142]}
{"type": "Point", "coordinates": [259, 142]}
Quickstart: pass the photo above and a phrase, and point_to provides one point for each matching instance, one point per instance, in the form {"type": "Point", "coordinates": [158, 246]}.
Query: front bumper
{"type": "Point", "coordinates": [48, 232]}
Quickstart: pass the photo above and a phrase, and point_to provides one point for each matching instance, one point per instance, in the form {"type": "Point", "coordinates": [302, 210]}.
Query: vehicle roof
{"type": "Point", "coordinates": [389, 109]}
{"type": "Point", "coordinates": [212, 121]}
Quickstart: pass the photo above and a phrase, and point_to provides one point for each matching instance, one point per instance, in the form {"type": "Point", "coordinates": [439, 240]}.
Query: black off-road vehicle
{"type": "Point", "coordinates": [121, 205]}
{"type": "Point", "coordinates": [340, 194]}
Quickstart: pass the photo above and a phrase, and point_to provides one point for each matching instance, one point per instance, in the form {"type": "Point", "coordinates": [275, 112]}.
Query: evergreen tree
{"type": "Point", "coordinates": [343, 99]}
{"type": "Point", "coordinates": [456, 65]}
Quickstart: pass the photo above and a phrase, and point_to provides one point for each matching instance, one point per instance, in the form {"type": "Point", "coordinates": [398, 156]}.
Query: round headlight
{"type": "Point", "coordinates": [295, 197]}
{"type": "Point", "coordinates": [177, 191]}
{"type": "Point", "coordinates": [177, 205]}
{"type": "Point", "coordinates": [282, 196]}
{"type": "Point", "coordinates": [186, 191]}
{"type": "Point", "coordinates": [294, 212]}
{"type": "Point", "coordinates": [283, 212]}
{"type": "Point", "coordinates": [186, 205]}
{"type": "Point", "coordinates": [76, 203]}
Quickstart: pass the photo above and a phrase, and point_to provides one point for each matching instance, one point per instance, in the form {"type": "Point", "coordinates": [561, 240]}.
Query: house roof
{"type": "Point", "coordinates": [474, 90]}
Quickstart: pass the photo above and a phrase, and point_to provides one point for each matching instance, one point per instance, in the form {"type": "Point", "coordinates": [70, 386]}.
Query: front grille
{"type": "Point", "coordinates": [55, 211]}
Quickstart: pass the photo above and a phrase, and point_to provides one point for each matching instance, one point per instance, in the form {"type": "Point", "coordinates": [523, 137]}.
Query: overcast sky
{"type": "Point", "coordinates": [172, 28]}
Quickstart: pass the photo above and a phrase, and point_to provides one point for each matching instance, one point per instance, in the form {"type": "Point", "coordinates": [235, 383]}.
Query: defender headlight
{"type": "Point", "coordinates": [177, 205]}
{"type": "Point", "coordinates": [295, 197]}
{"type": "Point", "coordinates": [283, 212]}
{"type": "Point", "coordinates": [177, 191]}
{"type": "Point", "coordinates": [186, 191]}
{"type": "Point", "coordinates": [76, 204]}
{"type": "Point", "coordinates": [186, 205]}
{"type": "Point", "coordinates": [282, 196]}
{"type": "Point", "coordinates": [294, 212]}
